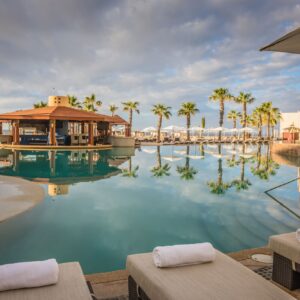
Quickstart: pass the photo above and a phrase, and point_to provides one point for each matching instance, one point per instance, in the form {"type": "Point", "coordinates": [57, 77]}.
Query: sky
{"type": "Point", "coordinates": [151, 51]}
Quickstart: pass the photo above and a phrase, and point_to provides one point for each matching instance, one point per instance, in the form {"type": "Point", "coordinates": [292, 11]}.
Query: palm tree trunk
{"type": "Point", "coordinates": [158, 157]}
{"type": "Point", "coordinates": [221, 117]}
{"type": "Point", "coordinates": [159, 128]}
{"type": "Point", "coordinates": [188, 124]}
{"type": "Point", "coordinates": [245, 119]}
{"type": "Point", "coordinates": [130, 121]}
{"type": "Point", "coordinates": [260, 127]}
{"type": "Point", "coordinates": [273, 128]}
{"type": "Point", "coordinates": [268, 126]}
{"type": "Point", "coordinates": [234, 126]}
{"type": "Point", "coordinates": [187, 161]}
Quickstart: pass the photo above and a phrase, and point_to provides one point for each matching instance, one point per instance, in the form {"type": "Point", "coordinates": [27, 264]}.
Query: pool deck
{"type": "Point", "coordinates": [47, 147]}
{"type": "Point", "coordinates": [17, 196]}
{"type": "Point", "coordinates": [113, 285]}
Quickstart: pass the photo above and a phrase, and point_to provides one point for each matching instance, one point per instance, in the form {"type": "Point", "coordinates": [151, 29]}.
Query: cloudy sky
{"type": "Point", "coordinates": [151, 51]}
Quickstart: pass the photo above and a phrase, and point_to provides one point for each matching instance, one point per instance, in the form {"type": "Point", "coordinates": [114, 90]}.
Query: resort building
{"type": "Point", "coordinates": [58, 124]}
{"type": "Point", "coordinates": [288, 120]}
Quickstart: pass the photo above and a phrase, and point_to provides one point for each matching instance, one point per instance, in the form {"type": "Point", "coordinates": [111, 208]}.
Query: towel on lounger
{"type": "Point", "coordinates": [180, 255]}
{"type": "Point", "coordinates": [28, 274]}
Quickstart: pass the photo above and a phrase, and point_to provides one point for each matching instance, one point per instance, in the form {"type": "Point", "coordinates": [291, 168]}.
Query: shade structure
{"type": "Point", "coordinates": [289, 43]}
{"type": "Point", "coordinates": [246, 129]}
{"type": "Point", "coordinates": [292, 128]}
{"type": "Point", "coordinates": [172, 158]}
{"type": "Point", "coordinates": [196, 128]}
{"type": "Point", "coordinates": [149, 129]}
{"type": "Point", "coordinates": [174, 128]}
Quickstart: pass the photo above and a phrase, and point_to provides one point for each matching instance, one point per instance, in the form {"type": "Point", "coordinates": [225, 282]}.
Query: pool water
{"type": "Point", "coordinates": [101, 206]}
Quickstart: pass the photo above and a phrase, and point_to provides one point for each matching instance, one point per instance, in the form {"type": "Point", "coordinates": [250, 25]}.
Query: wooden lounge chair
{"type": "Point", "coordinates": [71, 286]}
{"type": "Point", "coordinates": [83, 139]}
{"type": "Point", "coordinates": [223, 279]}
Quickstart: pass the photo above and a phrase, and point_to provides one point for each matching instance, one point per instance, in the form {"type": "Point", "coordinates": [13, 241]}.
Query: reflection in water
{"type": "Point", "coordinates": [59, 169]}
{"type": "Point", "coordinates": [160, 170]}
{"type": "Point", "coordinates": [218, 186]}
{"type": "Point", "coordinates": [130, 172]}
{"type": "Point", "coordinates": [186, 172]}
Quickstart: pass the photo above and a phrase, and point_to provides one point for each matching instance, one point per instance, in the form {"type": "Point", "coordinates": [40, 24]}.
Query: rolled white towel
{"type": "Point", "coordinates": [181, 255]}
{"type": "Point", "coordinates": [28, 274]}
{"type": "Point", "coordinates": [298, 235]}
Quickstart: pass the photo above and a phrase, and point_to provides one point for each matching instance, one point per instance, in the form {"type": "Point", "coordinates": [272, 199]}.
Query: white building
{"type": "Point", "coordinates": [288, 119]}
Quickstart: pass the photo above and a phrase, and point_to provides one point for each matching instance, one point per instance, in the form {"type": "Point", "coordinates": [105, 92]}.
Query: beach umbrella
{"type": "Point", "coordinates": [289, 43]}
{"type": "Point", "coordinates": [195, 156]}
{"type": "Point", "coordinates": [246, 129]}
{"type": "Point", "coordinates": [218, 129]}
{"type": "Point", "coordinates": [173, 128]}
{"type": "Point", "coordinates": [196, 128]}
{"type": "Point", "coordinates": [149, 129]}
{"type": "Point", "coordinates": [149, 151]}
{"type": "Point", "coordinates": [172, 158]}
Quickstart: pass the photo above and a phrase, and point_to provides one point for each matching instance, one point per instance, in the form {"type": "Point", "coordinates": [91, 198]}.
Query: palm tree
{"type": "Point", "coordinates": [129, 172]}
{"type": "Point", "coordinates": [244, 99]}
{"type": "Point", "coordinates": [90, 103]}
{"type": "Point", "coordinates": [160, 170]}
{"type": "Point", "coordinates": [161, 111]}
{"type": "Point", "coordinates": [186, 172]}
{"type": "Point", "coordinates": [188, 109]}
{"type": "Point", "coordinates": [73, 101]}
{"type": "Point", "coordinates": [131, 106]}
{"type": "Point", "coordinates": [40, 104]}
{"type": "Point", "coordinates": [202, 124]}
{"type": "Point", "coordinates": [270, 113]}
{"type": "Point", "coordinates": [257, 119]}
{"type": "Point", "coordinates": [274, 118]}
{"type": "Point", "coordinates": [219, 187]}
{"type": "Point", "coordinates": [113, 108]}
{"type": "Point", "coordinates": [221, 95]}
{"type": "Point", "coordinates": [233, 115]}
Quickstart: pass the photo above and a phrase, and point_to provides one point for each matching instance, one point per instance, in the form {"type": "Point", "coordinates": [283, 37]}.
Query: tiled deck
{"type": "Point", "coordinates": [113, 285]}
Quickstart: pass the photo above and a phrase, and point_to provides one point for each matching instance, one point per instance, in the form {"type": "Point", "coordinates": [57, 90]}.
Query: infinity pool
{"type": "Point", "coordinates": [101, 206]}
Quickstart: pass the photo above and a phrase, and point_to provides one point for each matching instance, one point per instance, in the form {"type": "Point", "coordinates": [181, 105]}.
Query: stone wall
{"type": "Point", "coordinates": [120, 141]}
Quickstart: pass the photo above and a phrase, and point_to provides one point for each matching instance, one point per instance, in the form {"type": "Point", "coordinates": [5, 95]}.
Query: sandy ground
{"type": "Point", "coordinates": [18, 195]}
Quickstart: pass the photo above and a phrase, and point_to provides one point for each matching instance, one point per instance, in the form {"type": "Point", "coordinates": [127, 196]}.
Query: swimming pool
{"type": "Point", "coordinates": [101, 206]}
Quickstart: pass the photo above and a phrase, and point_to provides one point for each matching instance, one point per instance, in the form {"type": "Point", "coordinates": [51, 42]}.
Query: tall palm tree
{"type": "Point", "coordinates": [73, 101]}
{"type": "Point", "coordinates": [271, 114]}
{"type": "Point", "coordinates": [244, 99]}
{"type": "Point", "coordinates": [188, 109]}
{"type": "Point", "coordinates": [233, 115]}
{"type": "Point", "coordinates": [161, 111]}
{"type": "Point", "coordinates": [130, 107]}
{"type": "Point", "coordinates": [90, 103]}
{"type": "Point", "coordinates": [257, 119]}
{"type": "Point", "coordinates": [113, 108]}
{"type": "Point", "coordinates": [40, 104]}
{"type": "Point", "coordinates": [274, 119]}
{"type": "Point", "coordinates": [186, 172]}
{"type": "Point", "coordinates": [160, 170]}
{"type": "Point", "coordinates": [221, 95]}
{"type": "Point", "coordinates": [219, 187]}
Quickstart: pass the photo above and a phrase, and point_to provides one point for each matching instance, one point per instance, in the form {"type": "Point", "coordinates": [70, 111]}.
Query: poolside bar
{"type": "Point", "coordinates": [58, 124]}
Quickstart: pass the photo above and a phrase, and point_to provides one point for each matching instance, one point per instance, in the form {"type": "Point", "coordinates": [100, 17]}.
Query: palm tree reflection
{"type": "Point", "coordinates": [186, 172]}
{"type": "Point", "coordinates": [218, 186]}
{"type": "Point", "coordinates": [130, 171]}
{"type": "Point", "coordinates": [160, 170]}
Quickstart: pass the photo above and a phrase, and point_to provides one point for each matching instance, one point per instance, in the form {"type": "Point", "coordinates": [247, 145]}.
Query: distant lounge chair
{"type": "Point", "coordinates": [71, 286]}
{"type": "Point", "coordinates": [74, 140]}
{"type": "Point", "coordinates": [224, 279]}
{"type": "Point", "coordinates": [83, 139]}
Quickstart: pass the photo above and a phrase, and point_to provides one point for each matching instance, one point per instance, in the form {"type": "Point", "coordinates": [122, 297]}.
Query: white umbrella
{"type": "Point", "coordinates": [246, 129]}
{"type": "Point", "coordinates": [171, 158]}
{"type": "Point", "coordinates": [150, 151]}
{"type": "Point", "coordinates": [174, 128]}
{"type": "Point", "coordinates": [195, 156]}
{"type": "Point", "coordinates": [149, 129]}
{"type": "Point", "coordinates": [219, 129]}
{"type": "Point", "coordinates": [196, 128]}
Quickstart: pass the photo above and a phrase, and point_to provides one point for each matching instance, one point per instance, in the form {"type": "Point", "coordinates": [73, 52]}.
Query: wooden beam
{"type": "Point", "coordinates": [1, 128]}
{"type": "Point", "coordinates": [91, 133]}
{"type": "Point", "coordinates": [52, 130]}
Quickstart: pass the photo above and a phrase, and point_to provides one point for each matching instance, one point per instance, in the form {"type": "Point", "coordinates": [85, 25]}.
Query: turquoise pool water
{"type": "Point", "coordinates": [101, 206]}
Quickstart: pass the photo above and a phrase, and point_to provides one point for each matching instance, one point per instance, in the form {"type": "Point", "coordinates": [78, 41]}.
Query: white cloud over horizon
{"type": "Point", "coordinates": [151, 51]}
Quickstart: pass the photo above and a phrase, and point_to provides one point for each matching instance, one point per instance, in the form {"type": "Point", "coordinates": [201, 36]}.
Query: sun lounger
{"type": "Point", "coordinates": [71, 286]}
{"type": "Point", "coordinates": [223, 279]}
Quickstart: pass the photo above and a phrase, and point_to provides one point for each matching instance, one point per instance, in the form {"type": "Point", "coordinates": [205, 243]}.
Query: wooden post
{"type": "Point", "coordinates": [1, 128]}
{"type": "Point", "coordinates": [127, 131]}
{"type": "Point", "coordinates": [15, 132]}
{"type": "Point", "coordinates": [52, 131]}
{"type": "Point", "coordinates": [91, 134]}
{"type": "Point", "coordinates": [82, 127]}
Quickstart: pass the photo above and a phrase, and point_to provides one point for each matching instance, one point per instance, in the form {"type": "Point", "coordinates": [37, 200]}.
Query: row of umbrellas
{"type": "Point", "coordinates": [174, 128]}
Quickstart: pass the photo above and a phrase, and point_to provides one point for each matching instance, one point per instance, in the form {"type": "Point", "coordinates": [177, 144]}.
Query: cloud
{"type": "Point", "coordinates": [152, 51]}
